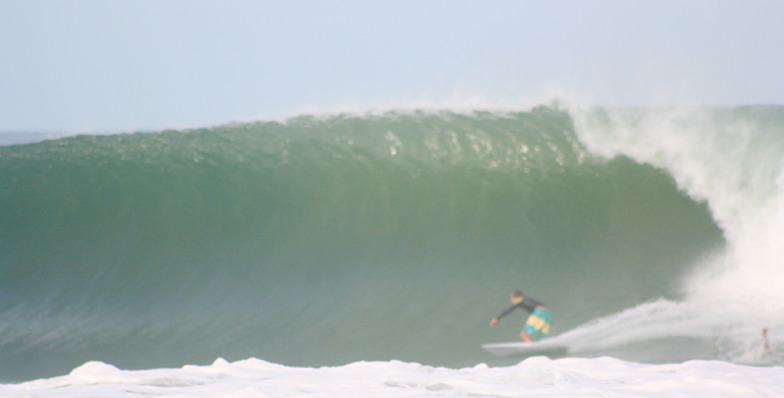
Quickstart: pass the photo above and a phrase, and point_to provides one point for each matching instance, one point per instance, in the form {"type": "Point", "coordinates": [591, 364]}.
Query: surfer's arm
{"type": "Point", "coordinates": [503, 314]}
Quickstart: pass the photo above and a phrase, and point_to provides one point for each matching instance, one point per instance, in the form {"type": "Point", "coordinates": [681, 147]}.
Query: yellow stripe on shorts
{"type": "Point", "coordinates": [539, 324]}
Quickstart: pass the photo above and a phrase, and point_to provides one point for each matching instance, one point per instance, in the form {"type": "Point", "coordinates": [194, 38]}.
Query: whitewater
{"type": "Point", "coordinates": [601, 377]}
{"type": "Point", "coordinates": [363, 255]}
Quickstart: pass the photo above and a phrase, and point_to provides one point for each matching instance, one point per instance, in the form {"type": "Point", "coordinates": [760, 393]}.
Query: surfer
{"type": "Point", "coordinates": [537, 326]}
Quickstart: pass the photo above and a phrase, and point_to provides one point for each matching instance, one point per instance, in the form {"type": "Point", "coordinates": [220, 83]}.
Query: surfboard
{"type": "Point", "coordinates": [521, 349]}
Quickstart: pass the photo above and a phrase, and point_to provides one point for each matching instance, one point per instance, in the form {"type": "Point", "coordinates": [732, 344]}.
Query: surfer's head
{"type": "Point", "coordinates": [517, 297]}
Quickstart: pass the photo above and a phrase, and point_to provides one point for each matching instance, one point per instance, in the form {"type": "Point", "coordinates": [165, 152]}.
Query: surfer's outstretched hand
{"type": "Point", "coordinates": [493, 321]}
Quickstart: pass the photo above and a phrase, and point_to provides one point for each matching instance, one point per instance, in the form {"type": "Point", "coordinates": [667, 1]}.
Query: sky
{"type": "Point", "coordinates": [128, 65]}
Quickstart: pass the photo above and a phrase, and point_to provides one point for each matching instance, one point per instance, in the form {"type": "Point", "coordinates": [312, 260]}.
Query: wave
{"type": "Point", "coordinates": [325, 240]}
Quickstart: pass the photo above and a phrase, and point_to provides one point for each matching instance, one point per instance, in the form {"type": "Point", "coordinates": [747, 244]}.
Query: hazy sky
{"type": "Point", "coordinates": [109, 65]}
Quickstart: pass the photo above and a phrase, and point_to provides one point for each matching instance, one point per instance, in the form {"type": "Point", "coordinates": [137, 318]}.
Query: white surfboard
{"type": "Point", "coordinates": [544, 348]}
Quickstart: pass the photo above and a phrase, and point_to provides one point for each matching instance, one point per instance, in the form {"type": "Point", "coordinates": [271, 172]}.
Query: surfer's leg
{"type": "Point", "coordinates": [537, 326]}
{"type": "Point", "coordinates": [529, 333]}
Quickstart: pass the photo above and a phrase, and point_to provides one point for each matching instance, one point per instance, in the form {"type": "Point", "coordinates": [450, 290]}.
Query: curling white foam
{"type": "Point", "coordinates": [733, 163]}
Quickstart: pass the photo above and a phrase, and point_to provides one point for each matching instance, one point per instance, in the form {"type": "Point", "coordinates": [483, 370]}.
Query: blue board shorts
{"type": "Point", "coordinates": [537, 326]}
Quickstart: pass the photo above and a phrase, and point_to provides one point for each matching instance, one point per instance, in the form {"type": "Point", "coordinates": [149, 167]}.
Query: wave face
{"type": "Point", "coordinates": [327, 240]}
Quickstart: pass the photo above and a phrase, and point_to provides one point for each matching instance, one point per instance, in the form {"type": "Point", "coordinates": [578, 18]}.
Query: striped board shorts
{"type": "Point", "coordinates": [537, 326]}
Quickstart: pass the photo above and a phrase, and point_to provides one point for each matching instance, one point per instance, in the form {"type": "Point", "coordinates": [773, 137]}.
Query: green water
{"type": "Point", "coordinates": [325, 240]}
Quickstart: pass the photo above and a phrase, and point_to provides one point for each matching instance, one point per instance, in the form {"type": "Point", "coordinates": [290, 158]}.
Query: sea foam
{"type": "Point", "coordinates": [536, 376]}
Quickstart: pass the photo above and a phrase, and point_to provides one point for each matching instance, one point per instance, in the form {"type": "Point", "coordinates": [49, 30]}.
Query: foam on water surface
{"type": "Point", "coordinates": [537, 376]}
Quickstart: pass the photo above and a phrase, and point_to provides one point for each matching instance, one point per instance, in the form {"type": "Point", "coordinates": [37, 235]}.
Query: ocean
{"type": "Point", "coordinates": [392, 238]}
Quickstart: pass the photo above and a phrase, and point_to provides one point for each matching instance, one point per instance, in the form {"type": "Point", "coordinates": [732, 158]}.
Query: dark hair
{"type": "Point", "coordinates": [518, 293]}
